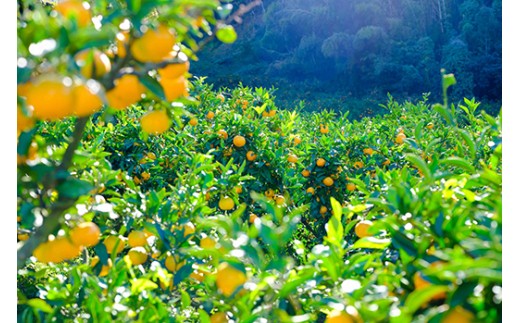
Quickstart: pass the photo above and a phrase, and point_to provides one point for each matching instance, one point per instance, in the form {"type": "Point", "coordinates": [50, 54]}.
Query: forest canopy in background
{"type": "Point", "coordinates": [349, 54]}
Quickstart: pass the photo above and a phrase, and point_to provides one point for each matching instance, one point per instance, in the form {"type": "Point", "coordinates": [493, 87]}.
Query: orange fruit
{"type": "Point", "coordinates": [221, 97]}
{"type": "Point", "coordinates": [92, 63]}
{"type": "Point", "coordinates": [252, 217]}
{"type": "Point", "coordinates": [174, 88]}
{"type": "Point", "coordinates": [306, 173]}
{"type": "Point", "coordinates": [279, 200]}
{"type": "Point", "coordinates": [429, 125]}
{"type": "Point", "coordinates": [24, 122]}
{"type": "Point", "coordinates": [229, 279]}
{"type": "Point", "coordinates": [310, 190]}
{"type": "Point", "coordinates": [85, 234]}
{"type": "Point", "coordinates": [127, 90]}
{"type": "Point", "coordinates": [239, 141]}
{"type": "Point", "coordinates": [272, 113]}
{"type": "Point", "coordinates": [323, 209]}
{"type": "Point", "coordinates": [104, 268]}
{"type": "Point", "coordinates": [145, 176]}
{"type": "Point", "coordinates": [269, 192]}
{"type": "Point", "coordinates": [86, 99]}
{"type": "Point", "coordinates": [207, 243]}
{"type": "Point", "coordinates": [111, 242]}
{"type": "Point", "coordinates": [137, 239]}
{"type": "Point", "coordinates": [368, 151]}
{"type": "Point", "coordinates": [219, 317]}
{"type": "Point", "coordinates": [400, 138]}
{"type": "Point", "coordinates": [324, 129]}
{"type": "Point", "coordinates": [238, 189]}
{"type": "Point", "coordinates": [172, 71]}
{"type": "Point", "coordinates": [65, 249]}
{"type": "Point", "coordinates": [297, 140]}
{"type": "Point", "coordinates": [210, 115]}
{"type": "Point", "coordinates": [75, 9]}
{"type": "Point", "coordinates": [23, 236]}
{"type": "Point", "coordinates": [351, 187]}
{"type": "Point", "coordinates": [337, 316]}
{"type": "Point", "coordinates": [155, 122]}
{"type": "Point", "coordinates": [23, 88]}
{"type": "Point", "coordinates": [222, 134]}
{"type": "Point", "coordinates": [173, 263]}
{"type": "Point", "coordinates": [327, 181]}
{"type": "Point", "coordinates": [193, 122]}
{"type": "Point", "coordinates": [51, 98]}
{"type": "Point", "coordinates": [386, 162]}
{"type": "Point", "coordinates": [458, 315]}
{"type": "Point", "coordinates": [292, 158]}
{"type": "Point", "coordinates": [251, 156]}
{"type": "Point", "coordinates": [419, 282]}
{"type": "Point", "coordinates": [137, 255]}
{"type": "Point", "coordinates": [226, 203]}
{"type": "Point", "coordinates": [361, 228]}
{"type": "Point", "coordinates": [154, 46]}
{"type": "Point", "coordinates": [188, 228]}
{"type": "Point", "coordinates": [320, 162]}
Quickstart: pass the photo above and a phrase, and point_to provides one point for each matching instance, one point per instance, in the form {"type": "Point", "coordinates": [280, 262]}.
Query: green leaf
{"type": "Point", "coordinates": [226, 34]}
{"type": "Point", "coordinates": [185, 299]}
{"type": "Point", "coordinates": [469, 141]}
{"type": "Point", "coordinates": [290, 286]}
{"type": "Point", "coordinates": [421, 296]}
{"type": "Point", "coordinates": [203, 316]}
{"type": "Point", "coordinates": [420, 164]}
{"type": "Point", "coordinates": [154, 86]}
{"type": "Point", "coordinates": [445, 113]}
{"type": "Point", "coordinates": [371, 243]}
{"type": "Point", "coordinates": [458, 162]}
{"type": "Point", "coordinates": [448, 80]}
{"type": "Point", "coordinates": [74, 188]}
{"type": "Point", "coordinates": [419, 130]}
{"type": "Point", "coordinates": [39, 304]}
{"type": "Point", "coordinates": [182, 273]}
{"type": "Point", "coordinates": [142, 284]}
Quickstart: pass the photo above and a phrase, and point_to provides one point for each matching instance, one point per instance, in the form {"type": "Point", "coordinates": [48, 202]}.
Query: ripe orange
{"type": "Point", "coordinates": [137, 239]}
{"type": "Point", "coordinates": [251, 156]}
{"type": "Point", "coordinates": [297, 140]}
{"type": "Point", "coordinates": [269, 192]}
{"type": "Point", "coordinates": [210, 115]}
{"type": "Point", "coordinates": [221, 97]}
{"type": "Point", "coordinates": [111, 242]}
{"type": "Point", "coordinates": [154, 46]}
{"type": "Point", "coordinates": [155, 122]}
{"type": "Point", "coordinates": [145, 176]}
{"type": "Point", "coordinates": [361, 228]}
{"type": "Point", "coordinates": [174, 88]}
{"type": "Point", "coordinates": [320, 162]}
{"type": "Point", "coordinates": [386, 162]}
{"type": "Point", "coordinates": [75, 9]}
{"type": "Point", "coordinates": [207, 243]}
{"type": "Point", "coordinates": [337, 316]}
{"type": "Point", "coordinates": [400, 138]}
{"type": "Point", "coordinates": [272, 113]}
{"type": "Point", "coordinates": [324, 129]}
{"type": "Point", "coordinates": [323, 209]}
{"type": "Point", "coordinates": [327, 181]}
{"type": "Point", "coordinates": [86, 99]}
{"type": "Point", "coordinates": [458, 315]}
{"type": "Point", "coordinates": [51, 98]}
{"type": "Point", "coordinates": [193, 122]}
{"type": "Point", "coordinates": [239, 141]}
{"type": "Point", "coordinates": [222, 134]}
{"type": "Point", "coordinates": [238, 189]}
{"type": "Point", "coordinates": [306, 173]}
{"type": "Point", "coordinates": [137, 255]}
{"type": "Point", "coordinates": [93, 63]}
{"type": "Point", "coordinates": [172, 71]}
{"type": "Point", "coordinates": [358, 164]}
{"type": "Point", "coordinates": [104, 268]}
{"type": "Point", "coordinates": [310, 190]}
{"type": "Point", "coordinates": [22, 236]}
{"type": "Point", "coordinates": [85, 234]}
{"type": "Point", "coordinates": [188, 228]}
{"type": "Point", "coordinates": [419, 282]}
{"type": "Point", "coordinates": [279, 200]}
{"type": "Point", "coordinates": [24, 122]}
{"type": "Point", "coordinates": [429, 125]}
{"type": "Point", "coordinates": [292, 158]}
{"type": "Point", "coordinates": [219, 317]}
{"type": "Point", "coordinates": [229, 279]}
{"type": "Point", "coordinates": [65, 249]}
{"type": "Point", "coordinates": [127, 90]}
{"type": "Point", "coordinates": [173, 263]}
{"type": "Point", "coordinates": [226, 203]}
{"type": "Point", "coordinates": [252, 217]}
{"type": "Point", "coordinates": [351, 187]}
{"type": "Point", "coordinates": [368, 151]}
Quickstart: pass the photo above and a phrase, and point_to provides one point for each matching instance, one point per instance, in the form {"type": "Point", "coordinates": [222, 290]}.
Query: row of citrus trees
{"type": "Point", "coordinates": [155, 199]}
